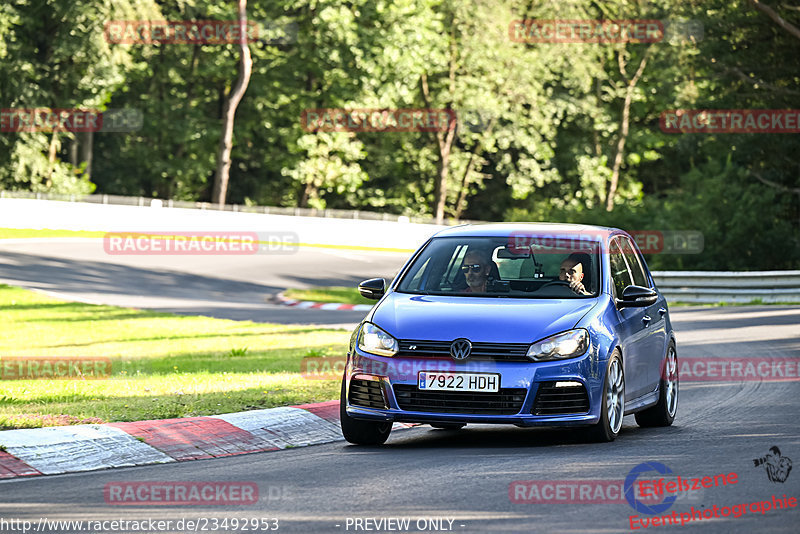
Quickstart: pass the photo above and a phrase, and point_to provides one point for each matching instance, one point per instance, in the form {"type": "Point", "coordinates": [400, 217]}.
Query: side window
{"type": "Point", "coordinates": [619, 270]}
{"type": "Point", "coordinates": [416, 280]}
{"type": "Point", "coordinates": [454, 267]}
{"type": "Point", "coordinates": [635, 265]}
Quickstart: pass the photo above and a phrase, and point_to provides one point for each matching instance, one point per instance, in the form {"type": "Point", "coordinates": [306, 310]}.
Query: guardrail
{"type": "Point", "coordinates": [269, 210]}
{"type": "Point", "coordinates": [741, 287]}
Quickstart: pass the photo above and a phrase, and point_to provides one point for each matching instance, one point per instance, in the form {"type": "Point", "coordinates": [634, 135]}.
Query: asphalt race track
{"type": "Point", "coordinates": [228, 287]}
{"type": "Point", "coordinates": [425, 475]}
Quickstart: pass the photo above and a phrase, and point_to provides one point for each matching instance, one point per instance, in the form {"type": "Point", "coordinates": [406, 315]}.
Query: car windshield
{"type": "Point", "coordinates": [536, 267]}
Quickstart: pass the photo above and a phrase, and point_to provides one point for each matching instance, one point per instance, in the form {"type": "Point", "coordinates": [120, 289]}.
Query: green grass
{"type": "Point", "coordinates": [163, 365]}
{"type": "Point", "coordinates": [23, 233]}
{"type": "Point", "coordinates": [344, 295]}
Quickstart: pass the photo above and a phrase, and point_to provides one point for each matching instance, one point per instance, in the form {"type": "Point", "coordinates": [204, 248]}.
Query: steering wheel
{"type": "Point", "coordinates": [555, 282]}
{"type": "Point", "coordinates": [563, 284]}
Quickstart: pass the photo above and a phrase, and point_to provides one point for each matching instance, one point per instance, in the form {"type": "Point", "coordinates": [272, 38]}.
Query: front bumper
{"type": "Point", "coordinates": [527, 378]}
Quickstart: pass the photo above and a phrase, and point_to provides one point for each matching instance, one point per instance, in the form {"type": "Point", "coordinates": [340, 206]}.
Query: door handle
{"type": "Point", "coordinates": [646, 320]}
{"type": "Point", "coordinates": [662, 311]}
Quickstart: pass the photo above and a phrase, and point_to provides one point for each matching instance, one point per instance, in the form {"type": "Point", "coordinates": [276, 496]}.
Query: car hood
{"type": "Point", "coordinates": [494, 320]}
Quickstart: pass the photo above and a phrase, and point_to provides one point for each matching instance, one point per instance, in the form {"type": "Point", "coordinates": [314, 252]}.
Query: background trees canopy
{"type": "Point", "coordinates": [546, 131]}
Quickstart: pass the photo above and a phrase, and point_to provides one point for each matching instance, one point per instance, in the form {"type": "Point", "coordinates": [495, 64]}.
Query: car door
{"type": "Point", "coordinates": [655, 344]}
{"type": "Point", "coordinates": [633, 328]}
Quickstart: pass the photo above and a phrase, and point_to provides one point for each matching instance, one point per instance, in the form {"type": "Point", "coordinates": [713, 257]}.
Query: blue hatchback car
{"type": "Point", "coordinates": [523, 324]}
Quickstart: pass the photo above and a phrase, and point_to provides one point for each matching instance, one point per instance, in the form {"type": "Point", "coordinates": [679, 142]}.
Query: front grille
{"type": "Point", "coordinates": [551, 400]}
{"type": "Point", "coordinates": [366, 393]}
{"type": "Point", "coordinates": [508, 352]}
{"type": "Point", "coordinates": [508, 401]}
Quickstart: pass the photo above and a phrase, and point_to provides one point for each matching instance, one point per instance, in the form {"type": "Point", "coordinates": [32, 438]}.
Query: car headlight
{"type": "Point", "coordinates": [569, 344]}
{"type": "Point", "coordinates": [375, 341]}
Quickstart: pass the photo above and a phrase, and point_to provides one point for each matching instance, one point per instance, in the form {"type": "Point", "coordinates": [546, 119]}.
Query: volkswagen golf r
{"type": "Point", "coordinates": [523, 324]}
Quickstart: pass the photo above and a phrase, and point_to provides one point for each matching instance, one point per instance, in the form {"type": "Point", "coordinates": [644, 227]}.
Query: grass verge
{"type": "Point", "coordinates": [344, 295]}
{"type": "Point", "coordinates": [162, 365]}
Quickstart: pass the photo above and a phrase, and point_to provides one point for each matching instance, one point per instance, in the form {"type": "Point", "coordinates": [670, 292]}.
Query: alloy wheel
{"type": "Point", "coordinates": [615, 396]}
{"type": "Point", "coordinates": [671, 381]}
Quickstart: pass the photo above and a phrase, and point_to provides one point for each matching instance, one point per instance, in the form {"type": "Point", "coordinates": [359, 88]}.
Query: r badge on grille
{"type": "Point", "coordinates": [460, 349]}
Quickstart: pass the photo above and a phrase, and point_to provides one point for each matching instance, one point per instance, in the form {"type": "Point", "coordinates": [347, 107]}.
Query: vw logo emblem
{"type": "Point", "coordinates": [460, 349]}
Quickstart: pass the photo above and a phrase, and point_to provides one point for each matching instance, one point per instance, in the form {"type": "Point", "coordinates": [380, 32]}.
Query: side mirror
{"type": "Point", "coordinates": [374, 288]}
{"type": "Point", "coordinates": [637, 297]}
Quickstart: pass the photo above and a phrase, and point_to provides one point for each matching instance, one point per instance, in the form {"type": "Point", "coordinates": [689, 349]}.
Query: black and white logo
{"type": "Point", "coordinates": [778, 467]}
{"type": "Point", "coordinates": [460, 349]}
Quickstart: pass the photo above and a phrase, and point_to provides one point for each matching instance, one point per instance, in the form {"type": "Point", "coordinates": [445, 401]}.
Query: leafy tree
{"type": "Point", "coordinates": [60, 59]}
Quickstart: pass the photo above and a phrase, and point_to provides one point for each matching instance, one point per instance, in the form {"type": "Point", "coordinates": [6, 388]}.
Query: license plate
{"type": "Point", "coordinates": [437, 381]}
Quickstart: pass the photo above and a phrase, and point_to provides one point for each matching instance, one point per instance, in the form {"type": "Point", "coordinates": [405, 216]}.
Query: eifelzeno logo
{"type": "Point", "coordinates": [636, 503]}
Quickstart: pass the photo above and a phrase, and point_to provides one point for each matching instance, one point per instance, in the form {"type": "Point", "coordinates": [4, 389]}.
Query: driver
{"type": "Point", "coordinates": [571, 271]}
{"type": "Point", "coordinates": [476, 267]}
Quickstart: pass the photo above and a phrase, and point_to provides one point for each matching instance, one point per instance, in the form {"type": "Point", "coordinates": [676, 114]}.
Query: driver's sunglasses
{"type": "Point", "coordinates": [475, 267]}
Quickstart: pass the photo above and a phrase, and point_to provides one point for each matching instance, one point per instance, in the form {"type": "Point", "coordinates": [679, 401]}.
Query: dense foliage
{"type": "Point", "coordinates": [546, 131]}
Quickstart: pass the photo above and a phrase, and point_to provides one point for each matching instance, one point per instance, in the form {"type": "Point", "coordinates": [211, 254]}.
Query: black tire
{"type": "Point", "coordinates": [607, 428]}
{"type": "Point", "coordinates": [663, 413]}
{"type": "Point", "coordinates": [360, 432]}
{"type": "Point", "coordinates": [449, 426]}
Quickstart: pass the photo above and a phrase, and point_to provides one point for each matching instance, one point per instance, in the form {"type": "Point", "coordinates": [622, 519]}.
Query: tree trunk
{"type": "Point", "coordinates": [87, 151]}
{"type": "Point", "coordinates": [445, 144]}
{"type": "Point", "coordinates": [229, 111]}
{"type": "Point", "coordinates": [443, 139]}
{"type": "Point", "coordinates": [52, 153]}
{"type": "Point", "coordinates": [309, 191]}
{"type": "Point", "coordinates": [441, 185]}
{"type": "Point", "coordinates": [461, 204]}
{"type": "Point", "coordinates": [73, 151]}
{"type": "Point", "coordinates": [623, 134]}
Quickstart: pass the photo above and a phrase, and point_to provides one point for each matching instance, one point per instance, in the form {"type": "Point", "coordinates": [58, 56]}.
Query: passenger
{"type": "Point", "coordinates": [572, 271]}
{"type": "Point", "coordinates": [476, 267]}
